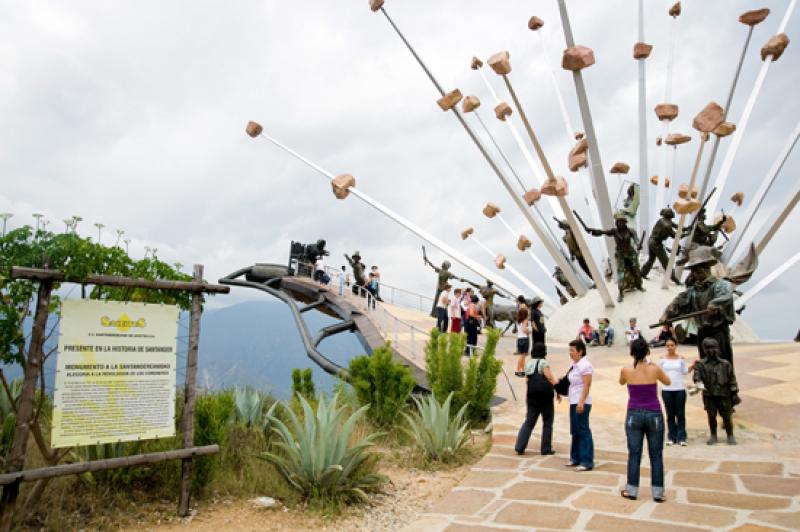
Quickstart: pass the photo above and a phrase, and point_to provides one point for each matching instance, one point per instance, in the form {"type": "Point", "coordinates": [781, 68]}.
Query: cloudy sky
{"type": "Point", "coordinates": [132, 114]}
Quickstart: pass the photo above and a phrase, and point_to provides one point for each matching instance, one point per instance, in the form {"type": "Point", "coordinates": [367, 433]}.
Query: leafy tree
{"type": "Point", "coordinates": [381, 383]}
{"type": "Point", "coordinates": [303, 384]}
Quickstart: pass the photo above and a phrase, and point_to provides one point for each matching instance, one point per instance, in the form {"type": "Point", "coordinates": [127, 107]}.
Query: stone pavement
{"type": "Point", "coordinates": [749, 487]}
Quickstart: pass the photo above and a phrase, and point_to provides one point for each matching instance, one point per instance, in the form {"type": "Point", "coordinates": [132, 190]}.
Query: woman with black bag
{"type": "Point", "coordinates": [539, 401]}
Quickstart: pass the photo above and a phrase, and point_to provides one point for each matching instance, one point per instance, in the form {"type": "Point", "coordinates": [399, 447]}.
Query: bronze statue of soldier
{"type": "Point", "coordinates": [572, 245]}
{"type": "Point", "coordinates": [704, 235]}
{"type": "Point", "coordinates": [358, 272]}
{"type": "Point", "coordinates": [443, 278]}
{"type": "Point", "coordinates": [627, 255]}
{"type": "Point", "coordinates": [559, 276]}
{"type": "Point", "coordinates": [663, 229]}
{"type": "Point", "coordinates": [488, 291]}
{"type": "Point", "coordinates": [709, 296]}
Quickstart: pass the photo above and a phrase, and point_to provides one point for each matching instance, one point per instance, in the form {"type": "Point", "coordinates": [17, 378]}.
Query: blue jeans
{"type": "Point", "coordinates": [675, 405]}
{"type": "Point", "coordinates": [638, 424]}
{"type": "Point", "coordinates": [581, 451]}
{"type": "Point", "coordinates": [441, 319]}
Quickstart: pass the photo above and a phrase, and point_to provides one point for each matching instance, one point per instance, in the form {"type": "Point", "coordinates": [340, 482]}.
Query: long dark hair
{"type": "Point", "coordinates": [522, 315]}
{"type": "Point", "coordinates": [639, 350]}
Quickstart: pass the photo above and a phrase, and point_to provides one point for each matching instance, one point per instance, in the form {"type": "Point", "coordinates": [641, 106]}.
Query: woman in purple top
{"type": "Point", "coordinates": [644, 419]}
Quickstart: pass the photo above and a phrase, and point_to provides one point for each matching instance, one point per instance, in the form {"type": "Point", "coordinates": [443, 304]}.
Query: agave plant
{"type": "Point", "coordinates": [438, 435]}
{"type": "Point", "coordinates": [249, 407]}
{"type": "Point", "coordinates": [8, 419]}
{"type": "Point", "coordinates": [317, 457]}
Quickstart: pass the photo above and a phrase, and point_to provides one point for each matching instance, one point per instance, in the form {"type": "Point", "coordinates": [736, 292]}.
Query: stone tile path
{"type": "Point", "coordinates": [754, 486]}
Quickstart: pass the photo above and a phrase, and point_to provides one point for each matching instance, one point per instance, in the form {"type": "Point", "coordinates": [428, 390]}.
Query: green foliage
{"type": "Point", "coordinates": [303, 383]}
{"type": "Point", "coordinates": [212, 415]}
{"type": "Point", "coordinates": [250, 404]}
{"type": "Point", "coordinates": [473, 384]}
{"type": "Point", "coordinates": [317, 458]}
{"type": "Point", "coordinates": [443, 355]}
{"type": "Point", "coordinates": [480, 379]}
{"type": "Point", "coordinates": [382, 384]}
{"type": "Point", "coordinates": [8, 419]}
{"type": "Point", "coordinates": [76, 257]}
{"type": "Point", "coordinates": [438, 435]}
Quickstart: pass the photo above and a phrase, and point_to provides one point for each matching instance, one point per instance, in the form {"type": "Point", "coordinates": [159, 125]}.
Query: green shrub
{"type": "Point", "coordinates": [303, 383]}
{"type": "Point", "coordinates": [8, 419]}
{"type": "Point", "coordinates": [381, 384]}
{"type": "Point", "coordinates": [317, 458]}
{"type": "Point", "coordinates": [438, 435]}
{"type": "Point", "coordinates": [250, 405]}
{"type": "Point", "coordinates": [480, 380]}
{"type": "Point", "coordinates": [443, 355]}
{"type": "Point", "coordinates": [213, 413]}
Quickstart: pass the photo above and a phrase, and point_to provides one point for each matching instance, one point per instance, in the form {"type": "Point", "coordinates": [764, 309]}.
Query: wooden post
{"type": "Point", "coordinates": [25, 411]}
{"type": "Point", "coordinates": [187, 422]}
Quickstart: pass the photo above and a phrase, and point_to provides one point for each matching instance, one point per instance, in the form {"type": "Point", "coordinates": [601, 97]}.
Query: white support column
{"type": "Point", "coordinates": [644, 183]}
{"type": "Point", "coordinates": [766, 281]}
{"type": "Point", "coordinates": [762, 244]}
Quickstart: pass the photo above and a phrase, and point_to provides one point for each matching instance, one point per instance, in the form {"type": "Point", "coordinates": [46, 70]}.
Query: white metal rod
{"type": "Point", "coordinates": [595, 163]}
{"type": "Point", "coordinates": [766, 281]}
{"type": "Point", "coordinates": [762, 244]}
{"type": "Point", "coordinates": [597, 276]}
{"type": "Point", "coordinates": [644, 188]}
{"type": "Point", "coordinates": [565, 265]}
{"type": "Point", "coordinates": [661, 186]}
{"type": "Point", "coordinates": [755, 204]}
{"type": "Point", "coordinates": [424, 235]}
{"type": "Point", "coordinates": [681, 223]}
{"type": "Point", "coordinates": [741, 126]}
{"type": "Point", "coordinates": [536, 290]}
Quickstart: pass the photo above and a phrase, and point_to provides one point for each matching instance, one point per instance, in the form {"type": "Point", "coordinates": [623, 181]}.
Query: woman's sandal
{"type": "Point", "coordinates": [627, 495]}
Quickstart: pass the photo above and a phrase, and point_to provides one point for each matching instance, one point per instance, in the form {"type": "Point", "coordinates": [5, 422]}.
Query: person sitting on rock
{"type": "Point", "coordinates": [604, 334]}
{"type": "Point", "coordinates": [632, 331]}
{"type": "Point", "coordinates": [715, 377]}
{"type": "Point", "coordinates": [586, 332]}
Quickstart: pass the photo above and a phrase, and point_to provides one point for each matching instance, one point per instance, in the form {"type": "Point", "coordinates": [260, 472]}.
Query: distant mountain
{"type": "Point", "coordinates": [254, 343]}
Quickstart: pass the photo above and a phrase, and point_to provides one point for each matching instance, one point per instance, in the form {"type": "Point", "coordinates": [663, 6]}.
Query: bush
{"type": "Point", "coordinates": [474, 384]}
{"type": "Point", "coordinates": [438, 436]}
{"type": "Point", "coordinates": [317, 458]}
{"type": "Point", "coordinates": [382, 384]}
{"type": "Point", "coordinates": [303, 383]}
{"type": "Point", "coordinates": [250, 404]}
{"type": "Point", "coordinates": [212, 414]}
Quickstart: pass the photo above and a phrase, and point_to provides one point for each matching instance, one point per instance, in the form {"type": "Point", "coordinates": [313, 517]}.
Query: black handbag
{"type": "Point", "coordinates": [562, 387]}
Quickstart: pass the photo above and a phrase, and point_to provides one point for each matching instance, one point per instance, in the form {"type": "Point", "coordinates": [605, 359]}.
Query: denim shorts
{"type": "Point", "coordinates": [523, 344]}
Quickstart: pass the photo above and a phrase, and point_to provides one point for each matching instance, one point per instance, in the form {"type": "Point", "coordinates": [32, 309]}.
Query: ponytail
{"type": "Point", "coordinates": [639, 350]}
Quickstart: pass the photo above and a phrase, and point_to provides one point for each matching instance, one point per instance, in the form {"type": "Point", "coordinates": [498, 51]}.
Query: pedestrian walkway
{"type": "Point", "coordinates": [749, 487]}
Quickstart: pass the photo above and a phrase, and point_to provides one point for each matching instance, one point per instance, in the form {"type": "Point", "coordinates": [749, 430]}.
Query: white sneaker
{"type": "Point", "coordinates": [583, 468]}
{"type": "Point", "coordinates": [684, 444]}
{"type": "Point", "coordinates": [670, 443]}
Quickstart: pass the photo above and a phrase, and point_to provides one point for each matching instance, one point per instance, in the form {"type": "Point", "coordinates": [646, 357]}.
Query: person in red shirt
{"type": "Point", "coordinates": [586, 332]}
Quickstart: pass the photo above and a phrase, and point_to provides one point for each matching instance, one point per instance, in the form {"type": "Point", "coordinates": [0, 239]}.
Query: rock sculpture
{"type": "Point", "coordinates": [341, 185]}
{"type": "Point", "coordinates": [449, 100]}
{"type": "Point", "coordinates": [577, 58]}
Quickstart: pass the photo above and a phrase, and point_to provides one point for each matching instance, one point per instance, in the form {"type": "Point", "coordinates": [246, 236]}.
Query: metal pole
{"type": "Point", "coordinates": [741, 126]}
{"type": "Point", "coordinates": [596, 165]}
{"type": "Point", "coordinates": [597, 277]}
{"type": "Point", "coordinates": [713, 155]}
{"type": "Point", "coordinates": [644, 213]}
{"type": "Point", "coordinates": [538, 291]}
{"type": "Point", "coordinates": [421, 233]}
{"type": "Point", "coordinates": [766, 281]}
{"type": "Point", "coordinates": [675, 241]}
{"type": "Point", "coordinates": [777, 223]}
{"type": "Point", "coordinates": [565, 265]}
{"type": "Point", "coordinates": [755, 204]}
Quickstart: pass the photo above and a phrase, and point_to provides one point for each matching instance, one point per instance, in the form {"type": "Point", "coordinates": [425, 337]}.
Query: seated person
{"type": "Point", "coordinates": [632, 331]}
{"type": "Point", "coordinates": [586, 332]}
{"type": "Point", "coordinates": [664, 334]}
{"type": "Point", "coordinates": [604, 335]}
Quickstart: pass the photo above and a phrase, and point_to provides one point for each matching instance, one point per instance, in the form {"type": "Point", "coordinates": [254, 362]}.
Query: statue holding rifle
{"type": "Point", "coordinates": [443, 279]}
{"type": "Point", "coordinates": [627, 254]}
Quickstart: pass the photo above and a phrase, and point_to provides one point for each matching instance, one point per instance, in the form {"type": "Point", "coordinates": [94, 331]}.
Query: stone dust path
{"type": "Point", "coordinates": [750, 487]}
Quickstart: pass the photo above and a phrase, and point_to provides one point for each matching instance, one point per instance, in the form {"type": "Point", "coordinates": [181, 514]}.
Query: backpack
{"type": "Point", "coordinates": [539, 388]}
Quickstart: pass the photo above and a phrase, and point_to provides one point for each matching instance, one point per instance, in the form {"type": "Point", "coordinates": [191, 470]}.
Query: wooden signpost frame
{"type": "Point", "coordinates": [15, 473]}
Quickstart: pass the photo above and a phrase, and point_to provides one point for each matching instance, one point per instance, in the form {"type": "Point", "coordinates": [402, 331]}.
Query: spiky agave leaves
{"type": "Point", "coordinates": [438, 435]}
{"type": "Point", "coordinates": [317, 458]}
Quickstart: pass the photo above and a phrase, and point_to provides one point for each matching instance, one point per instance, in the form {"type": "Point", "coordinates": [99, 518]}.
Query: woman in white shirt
{"type": "Point", "coordinates": [674, 394]}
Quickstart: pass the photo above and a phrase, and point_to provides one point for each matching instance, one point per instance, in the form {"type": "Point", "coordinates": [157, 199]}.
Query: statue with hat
{"type": "Point", "coordinates": [663, 229]}
{"type": "Point", "coordinates": [443, 278]}
{"type": "Point", "coordinates": [358, 271]}
{"type": "Point", "coordinates": [627, 253]}
{"type": "Point", "coordinates": [709, 301]}
{"type": "Point", "coordinates": [704, 235]}
{"type": "Point", "coordinates": [487, 292]}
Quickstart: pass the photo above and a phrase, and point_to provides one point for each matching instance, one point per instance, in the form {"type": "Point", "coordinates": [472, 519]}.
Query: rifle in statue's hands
{"type": "Point", "coordinates": [583, 224]}
{"type": "Point", "coordinates": [641, 241]}
{"type": "Point", "coordinates": [684, 317]}
{"type": "Point", "coordinates": [702, 208]}
{"type": "Point", "coordinates": [561, 224]}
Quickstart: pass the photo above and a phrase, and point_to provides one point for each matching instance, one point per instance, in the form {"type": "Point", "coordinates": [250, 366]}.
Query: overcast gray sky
{"type": "Point", "coordinates": [132, 114]}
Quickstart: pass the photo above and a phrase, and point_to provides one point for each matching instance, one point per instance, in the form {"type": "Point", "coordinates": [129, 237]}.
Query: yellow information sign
{"type": "Point", "coordinates": [115, 377]}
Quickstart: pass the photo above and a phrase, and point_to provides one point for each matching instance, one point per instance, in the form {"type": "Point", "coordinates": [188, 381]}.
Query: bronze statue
{"type": "Point", "coordinates": [559, 276]}
{"type": "Point", "coordinates": [306, 255]}
{"type": "Point", "coordinates": [572, 246]}
{"type": "Point", "coordinates": [716, 378]}
{"type": "Point", "coordinates": [443, 278]}
{"type": "Point", "coordinates": [704, 235]}
{"type": "Point", "coordinates": [358, 271]}
{"type": "Point", "coordinates": [488, 292]}
{"type": "Point", "coordinates": [627, 254]}
{"type": "Point", "coordinates": [663, 229]}
{"type": "Point", "coordinates": [710, 299]}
